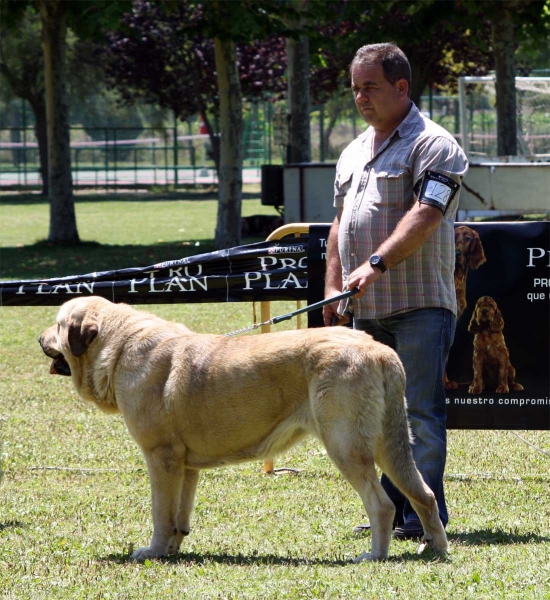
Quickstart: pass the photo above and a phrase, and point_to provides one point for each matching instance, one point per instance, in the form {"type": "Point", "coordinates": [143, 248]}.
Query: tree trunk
{"type": "Point", "coordinates": [62, 213]}
{"type": "Point", "coordinates": [334, 110]}
{"type": "Point", "coordinates": [298, 99]}
{"type": "Point", "coordinates": [228, 228]}
{"type": "Point", "coordinates": [214, 141]}
{"type": "Point", "coordinates": [418, 84]}
{"type": "Point", "coordinates": [503, 49]}
{"type": "Point", "coordinates": [41, 130]}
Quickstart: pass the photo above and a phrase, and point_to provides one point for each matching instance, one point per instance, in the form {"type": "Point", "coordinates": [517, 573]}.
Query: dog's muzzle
{"type": "Point", "coordinates": [59, 365]}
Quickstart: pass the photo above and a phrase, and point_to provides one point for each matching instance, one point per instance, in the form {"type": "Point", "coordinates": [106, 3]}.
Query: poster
{"type": "Point", "coordinates": [515, 274]}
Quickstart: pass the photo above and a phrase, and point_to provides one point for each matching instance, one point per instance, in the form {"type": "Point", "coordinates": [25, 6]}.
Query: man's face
{"type": "Point", "coordinates": [380, 103]}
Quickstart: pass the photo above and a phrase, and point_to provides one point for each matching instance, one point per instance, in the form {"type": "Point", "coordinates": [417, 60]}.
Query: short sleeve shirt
{"type": "Point", "coordinates": [375, 192]}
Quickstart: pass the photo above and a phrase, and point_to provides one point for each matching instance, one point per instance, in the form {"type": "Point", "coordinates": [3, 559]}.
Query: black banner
{"type": "Point", "coordinates": [513, 269]}
{"type": "Point", "coordinates": [275, 270]}
{"type": "Point", "coordinates": [511, 278]}
{"type": "Point", "coordinates": [512, 288]}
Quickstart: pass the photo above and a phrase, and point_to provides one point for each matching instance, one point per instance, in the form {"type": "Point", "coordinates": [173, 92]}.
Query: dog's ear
{"type": "Point", "coordinates": [477, 256]}
{"type": "Point", "coordinates": [497, 324]}
{"type": "Point", "coordinates": [81, 333]}
{"type": "Point", "coordinates": [473, 327]}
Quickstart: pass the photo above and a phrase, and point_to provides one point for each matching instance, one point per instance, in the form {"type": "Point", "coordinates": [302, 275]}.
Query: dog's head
{"type": "Point", "coordinates": [469, 250]}
{"type": "Point", "coordinates": [76, 328]}
{"type": "Point", "coordinates": [486, 316]}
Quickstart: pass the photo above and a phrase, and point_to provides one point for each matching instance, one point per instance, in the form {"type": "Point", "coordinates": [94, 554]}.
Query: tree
{"type": "Point", "coordinates": [201, 58]}
{"type": "Point", "coordinates": [511, 20]}
{"type": "Point", "coordinates": [443, 40]}
{"type": "Point", "coordinates": [298, 94]}
{"type": "Point", "coordinates": [228, 23]}
{"type": "Point", "coordinates": [502, 29]}
{"type": "Point", "coordinates": [231, 152]}
{"type": "Point", "coordinates": [86, 19]}
{"type": "Point", "coordinates": [181, 73]}
{"type": "Point", "coordinates": [22, 68]}
{"type": "Point", "coordinates": [63, 228]}
{"type": "Point", "coordinates": [22, 65]}
{"type": "Point", "coordinates": [435, 35]}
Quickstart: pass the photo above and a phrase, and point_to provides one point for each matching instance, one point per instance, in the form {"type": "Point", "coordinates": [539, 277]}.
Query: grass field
{"type": "Point", "coordinates": [74, 498]}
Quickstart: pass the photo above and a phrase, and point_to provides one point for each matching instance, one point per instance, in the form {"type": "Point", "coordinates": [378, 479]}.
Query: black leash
{"type": "Point", "coordinates": [299, 311]}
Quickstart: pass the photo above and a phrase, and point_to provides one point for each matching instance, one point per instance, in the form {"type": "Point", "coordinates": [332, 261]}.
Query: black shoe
{"type": "Point", "coordinates": [366, 526]}
{"type": "Point", "coordinates": [409, 531]}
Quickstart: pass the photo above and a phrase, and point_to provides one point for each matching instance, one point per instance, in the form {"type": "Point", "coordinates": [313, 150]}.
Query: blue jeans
{"type": "Point", "coordinates": [422, 339]}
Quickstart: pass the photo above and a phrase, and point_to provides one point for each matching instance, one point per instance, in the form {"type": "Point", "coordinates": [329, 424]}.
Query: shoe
{"type": "Point", "coordinates": [366, 526]}
{"type": "Point", "coordinates": [412, 530]}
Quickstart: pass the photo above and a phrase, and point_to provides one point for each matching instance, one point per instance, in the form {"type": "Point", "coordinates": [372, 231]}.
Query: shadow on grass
{"type": "Point", "coordinates": [11, 524]}
{"type": "Point", "coordinates": [271, 559]}
{"type": "Point", "coordinates": [497, 537]}
{"type": "Point", "coordinates": [233, 559]}
{"type": "Point", "coordinates": [43, 260]}
{"type": "Point", "coordinates": [209, 193]}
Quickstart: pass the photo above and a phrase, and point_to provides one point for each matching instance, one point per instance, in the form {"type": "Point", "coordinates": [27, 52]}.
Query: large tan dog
{"type": "Point", "coordinates": [194, 401]}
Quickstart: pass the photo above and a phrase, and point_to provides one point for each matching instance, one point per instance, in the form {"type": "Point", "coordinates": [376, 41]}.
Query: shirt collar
{"type": "Point", "coordinates": [409, 123]}
{"type": "Point", "coordinates": [404, 129]}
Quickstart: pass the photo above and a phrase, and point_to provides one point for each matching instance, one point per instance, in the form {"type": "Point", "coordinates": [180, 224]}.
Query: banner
{"type": "Point", "coordinates": [498, 373]}
{"type": "Point", "coordinates": [275, 270]}
{"type": "Point", "coordinates": [503, 271]}
{"type": "Point", "coordinates": [499, 365]}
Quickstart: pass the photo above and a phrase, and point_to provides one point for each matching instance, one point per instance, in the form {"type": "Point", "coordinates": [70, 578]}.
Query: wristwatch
{"type": "Point", "coordinates": [376, 261]}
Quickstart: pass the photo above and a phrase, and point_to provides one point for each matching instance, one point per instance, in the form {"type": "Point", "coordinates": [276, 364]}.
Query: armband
{"type": "Point", "coordinates": [436, 190]}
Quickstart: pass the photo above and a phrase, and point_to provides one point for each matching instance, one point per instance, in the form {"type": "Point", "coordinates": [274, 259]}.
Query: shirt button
{"type": "Point", "coordinates": [352, 254]}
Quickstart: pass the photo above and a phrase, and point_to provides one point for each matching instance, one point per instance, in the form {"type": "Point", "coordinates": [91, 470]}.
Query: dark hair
{"type": "Point", "coordinates": [393, 60]}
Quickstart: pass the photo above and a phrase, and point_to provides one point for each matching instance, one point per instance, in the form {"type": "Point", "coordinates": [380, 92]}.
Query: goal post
{"type": "Point", "coordinates": [477, 111]}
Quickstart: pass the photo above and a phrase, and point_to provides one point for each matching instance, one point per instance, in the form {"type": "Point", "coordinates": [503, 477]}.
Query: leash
{"type": "Point", "coordinates": [286, 317]}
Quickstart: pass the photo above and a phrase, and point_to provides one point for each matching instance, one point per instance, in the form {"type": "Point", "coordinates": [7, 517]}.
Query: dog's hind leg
{"type": "Point", "coordinates": [404, 474]}
{"type": "Point", "coordinates": [355, 462]}
{"type": "Point", "coordinates": [394, 456]}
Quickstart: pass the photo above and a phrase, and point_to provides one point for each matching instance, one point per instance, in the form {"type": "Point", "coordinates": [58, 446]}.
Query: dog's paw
{"type": "Point", "coordinates": [367, 557]}
{"type": "Point", "coordinates": [441, 548]}
{"type": "Point", "coordinates": [475, 389]}
{"type": "Point", "coordinates": [143, 554]}
{"type": "Point", "coordinates": [451, 385]}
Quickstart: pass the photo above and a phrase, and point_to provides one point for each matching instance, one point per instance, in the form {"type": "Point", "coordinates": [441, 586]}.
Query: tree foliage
{"type": "Point", "coordinates": [160, 54]}
{"type": "Point", "coordinates": [436, 36]}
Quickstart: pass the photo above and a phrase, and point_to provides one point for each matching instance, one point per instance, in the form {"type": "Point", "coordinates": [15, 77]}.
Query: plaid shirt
{"type": "Point", "coordinates": [375, 192]}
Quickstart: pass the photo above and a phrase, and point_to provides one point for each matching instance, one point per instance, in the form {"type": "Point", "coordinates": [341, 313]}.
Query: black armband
{"type": "Point", "coordinates": [436, 190]}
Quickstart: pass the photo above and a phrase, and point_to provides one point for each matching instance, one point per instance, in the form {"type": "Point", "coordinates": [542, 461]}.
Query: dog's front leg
{"type": "Point", "coordinates": [187, 501]}
{"type": "Point", "coordinates": [166, 477]}
{"type": "Point", "coordinates": [476, 387]}
{"type": "Point", "coordinates": [502, 387]}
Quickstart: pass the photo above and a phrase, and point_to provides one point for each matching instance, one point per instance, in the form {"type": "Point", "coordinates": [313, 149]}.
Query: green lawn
{"type": "Point", "coordinates": [75, 498]}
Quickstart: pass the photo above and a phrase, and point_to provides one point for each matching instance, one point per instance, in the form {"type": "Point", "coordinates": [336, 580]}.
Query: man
{"type": "Point", "coordinates": [396, 191]}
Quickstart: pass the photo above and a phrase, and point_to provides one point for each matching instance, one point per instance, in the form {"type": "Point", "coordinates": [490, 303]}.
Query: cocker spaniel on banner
{"type": "Point", "coordinates": [492, 366]}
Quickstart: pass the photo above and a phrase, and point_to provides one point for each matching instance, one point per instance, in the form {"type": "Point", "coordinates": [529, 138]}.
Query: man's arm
{"type": "Point", "coordinates": [411, 233]}
{"type": "Point", "coordinates": [333, 275]}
